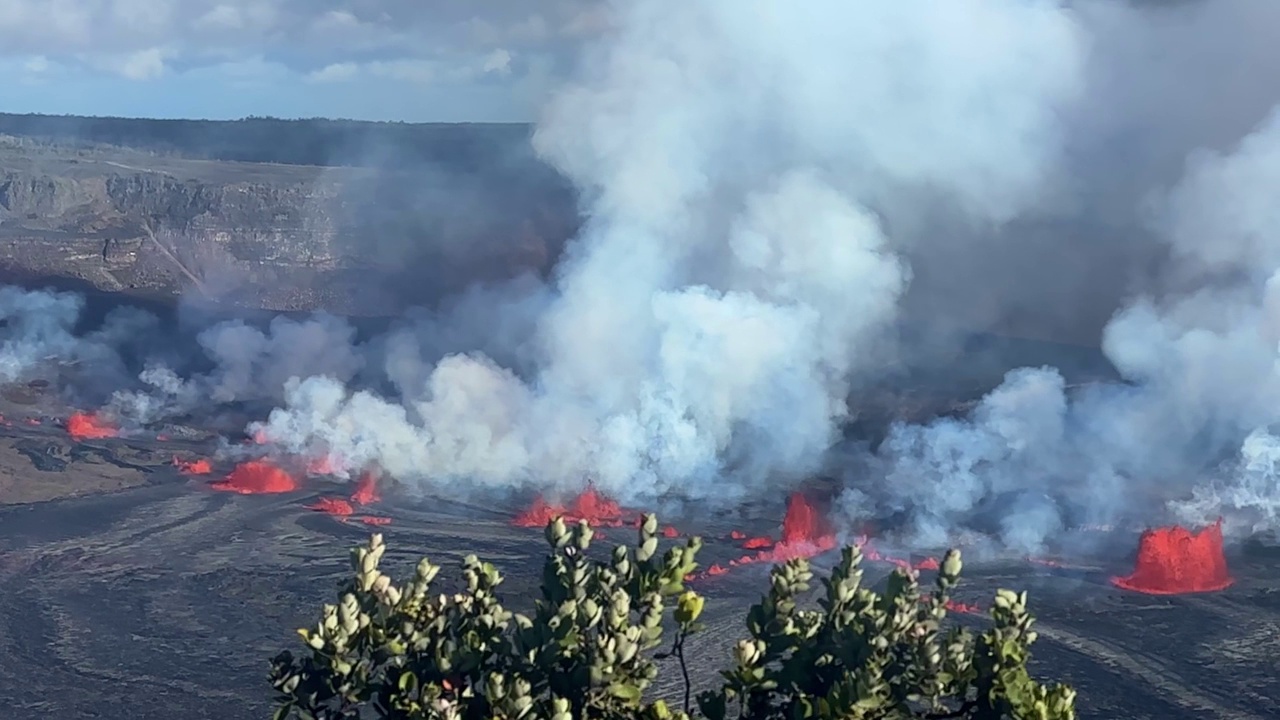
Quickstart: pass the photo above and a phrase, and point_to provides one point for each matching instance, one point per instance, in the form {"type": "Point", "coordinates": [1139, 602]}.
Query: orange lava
{"type": "Point", "coordinates": [596, 508]}
{"type": "Point", "coordinates": [332, 506]}
{"type": "Point", "coordinates": [805, 533]}
{"type": "Point", "coordinates": [874, 555]}
{"type": "Point", "coordinates": [966, 608]}
{"type": "Point", "coordinates": [538, 514]}
{"type": "Point", "coordinates": [88, 426]}
{"type": "Point", "coordinates": [193, 467]}
{"type": "Point", "coordinates": [929, 563]}
{"type": "Point", "coordinates": [257, 477]}
{"type": "Point", "coordinates": [1173, 560]}
{"type": "Point", "coordinates": [366, 492]}
{"type": "Point", "coordinates": [589, 505]}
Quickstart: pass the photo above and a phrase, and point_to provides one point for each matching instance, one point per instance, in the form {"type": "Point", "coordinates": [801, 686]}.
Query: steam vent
{"type": "Point", "coordinates": [1174, 561]}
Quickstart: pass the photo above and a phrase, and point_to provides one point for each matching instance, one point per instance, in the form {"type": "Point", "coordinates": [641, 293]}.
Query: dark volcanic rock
{"type": "Point", "coordinates": [351, 240]}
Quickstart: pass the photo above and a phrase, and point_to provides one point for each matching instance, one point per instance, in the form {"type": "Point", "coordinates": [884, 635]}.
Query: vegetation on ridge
{"type": "Point", "coordinates": [591, 646]}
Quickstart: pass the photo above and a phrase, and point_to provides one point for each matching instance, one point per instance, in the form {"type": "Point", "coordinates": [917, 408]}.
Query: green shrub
{"type": "Point", "coordinates": [589, 649]}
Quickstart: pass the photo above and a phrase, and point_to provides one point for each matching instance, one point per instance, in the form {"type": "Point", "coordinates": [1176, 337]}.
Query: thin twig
{"type": "Point", "coordinates": [684, 667]}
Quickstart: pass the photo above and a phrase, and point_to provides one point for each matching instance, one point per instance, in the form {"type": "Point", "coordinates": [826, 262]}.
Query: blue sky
{"type": "Point", "coordinates": [412, 60]}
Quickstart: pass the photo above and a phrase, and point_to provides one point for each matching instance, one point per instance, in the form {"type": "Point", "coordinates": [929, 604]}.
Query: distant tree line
{"type": "Point", "coordinates": [314, 141]}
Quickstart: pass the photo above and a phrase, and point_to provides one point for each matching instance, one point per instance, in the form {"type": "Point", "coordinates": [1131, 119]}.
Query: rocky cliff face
{"type": "Point", "coordinates": [354, 241]}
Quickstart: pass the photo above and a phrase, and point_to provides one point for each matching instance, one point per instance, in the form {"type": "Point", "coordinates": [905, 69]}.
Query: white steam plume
{"type": "Point", "coordinates": [1202, 365]}
{"type": "Point", "coordinates": [248, 364]}
{"type": "Point", "coordinates": [734, 279]}
{"type": "Point", "coordinates": [39, 327]}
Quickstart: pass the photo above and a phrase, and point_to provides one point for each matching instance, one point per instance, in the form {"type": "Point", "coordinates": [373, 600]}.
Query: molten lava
{"type": "Point", "coordinates": [589, 505]}
{"type": "Point", "coordinates": [596, 509]}
{"type": "Point", "coordinates": [193, 467]}
{"type": "Point", "coordinates": [1174, 560]}
{"type": "Point", "coordinates": [257, 477]}
{"type": "Point", "coordinates": [538, 514]}
{"type": "Point", "coordinates": [803, 523]}
{"type": "Point", "coordinates": [805, 533]}
{"type": "Point", "coordinates": [366, 492]}
{"type": "Point", "coordinates": [88, 426]}
{"type": "Point", "coordinates": [332, 506]}
{"type": "Point", "coordinates": [966, 608]}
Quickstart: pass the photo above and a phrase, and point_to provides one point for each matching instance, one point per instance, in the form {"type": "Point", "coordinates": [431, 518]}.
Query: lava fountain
{"type": "Point", "coordinates": [257, 477]}
{"type": "Point", "coordinates": [589, 505]}
{"type": "Point", "coordinates": [805, 533]}
{"type": "Point", "coordinates": [201, 466]}
{"type": "Point", "coordinates": [89, 426]}
{"type": "Point", "coordinates": [366, 492]}
{"type": "Point", "coordinates": [1173, 560]}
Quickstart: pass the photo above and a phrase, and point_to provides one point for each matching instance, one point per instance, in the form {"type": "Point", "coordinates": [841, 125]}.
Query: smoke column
{"type": "Point", "coordinates": [735, 279]}
{"type": "Point", "coordinates": [1202, 392]}
{"type": "Point", "coordinates": [38, 327]}
{"type": "Point", "coordinates": [770, 192]}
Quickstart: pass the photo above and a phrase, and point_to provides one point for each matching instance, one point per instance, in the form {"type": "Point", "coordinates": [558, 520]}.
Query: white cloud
{"type": "Point", "coordinates": [335, 72]}
{"type": "Point", "coordinates": [221, 17]}
{"type": "Point", "coordinates": [415, 71]}
{"type": "Point", "coordinates": [146, 64]}
{"type": "Point", "coordinates": [391, 41]}
{"type": "Point", "coordinates": [498, 62]}
{"type": "Point", "coordinates": [338, 19]}
{"type": "Point", "coordinates": [36, 64]}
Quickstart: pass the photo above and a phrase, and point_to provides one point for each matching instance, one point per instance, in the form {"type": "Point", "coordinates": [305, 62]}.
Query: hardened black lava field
{"type": "Point", "coordinates": [135, 591]}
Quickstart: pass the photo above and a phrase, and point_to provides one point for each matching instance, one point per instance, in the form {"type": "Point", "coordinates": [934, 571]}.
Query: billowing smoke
{"type": "Point", "coordinates": [736, 277]}
{"type": "Point", "coordinates": [785, 204]}
{"type": "Point", "coordinates": [1202, 365]}
{"type": "Point", "coordinates": [42, 328]}
{"type": "Point", "coordinates": [234, 362]}
{"type": "Point", "coordinates": [37, 326]}
{"type": "Point", "coordinates": [248, 364]}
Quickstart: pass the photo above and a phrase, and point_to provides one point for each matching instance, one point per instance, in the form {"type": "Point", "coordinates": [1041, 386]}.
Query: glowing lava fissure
{"type": "Point", "coordinates": [366, 493]}
{"type": "Point", "coordinates": [806, 533]}
{"type": "Point", "coordinates": [1173, 560]}
{"type": "Point", "coordinates": [201, 466]}
{"type": "Point", "coordinates": [257, 477]}
{"type": "Point", "coordinates": [90, 426]}
{"type": "Point", "coordinates": [589, 505]}
{"type": "Point", "coordinates": [333, 506]}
